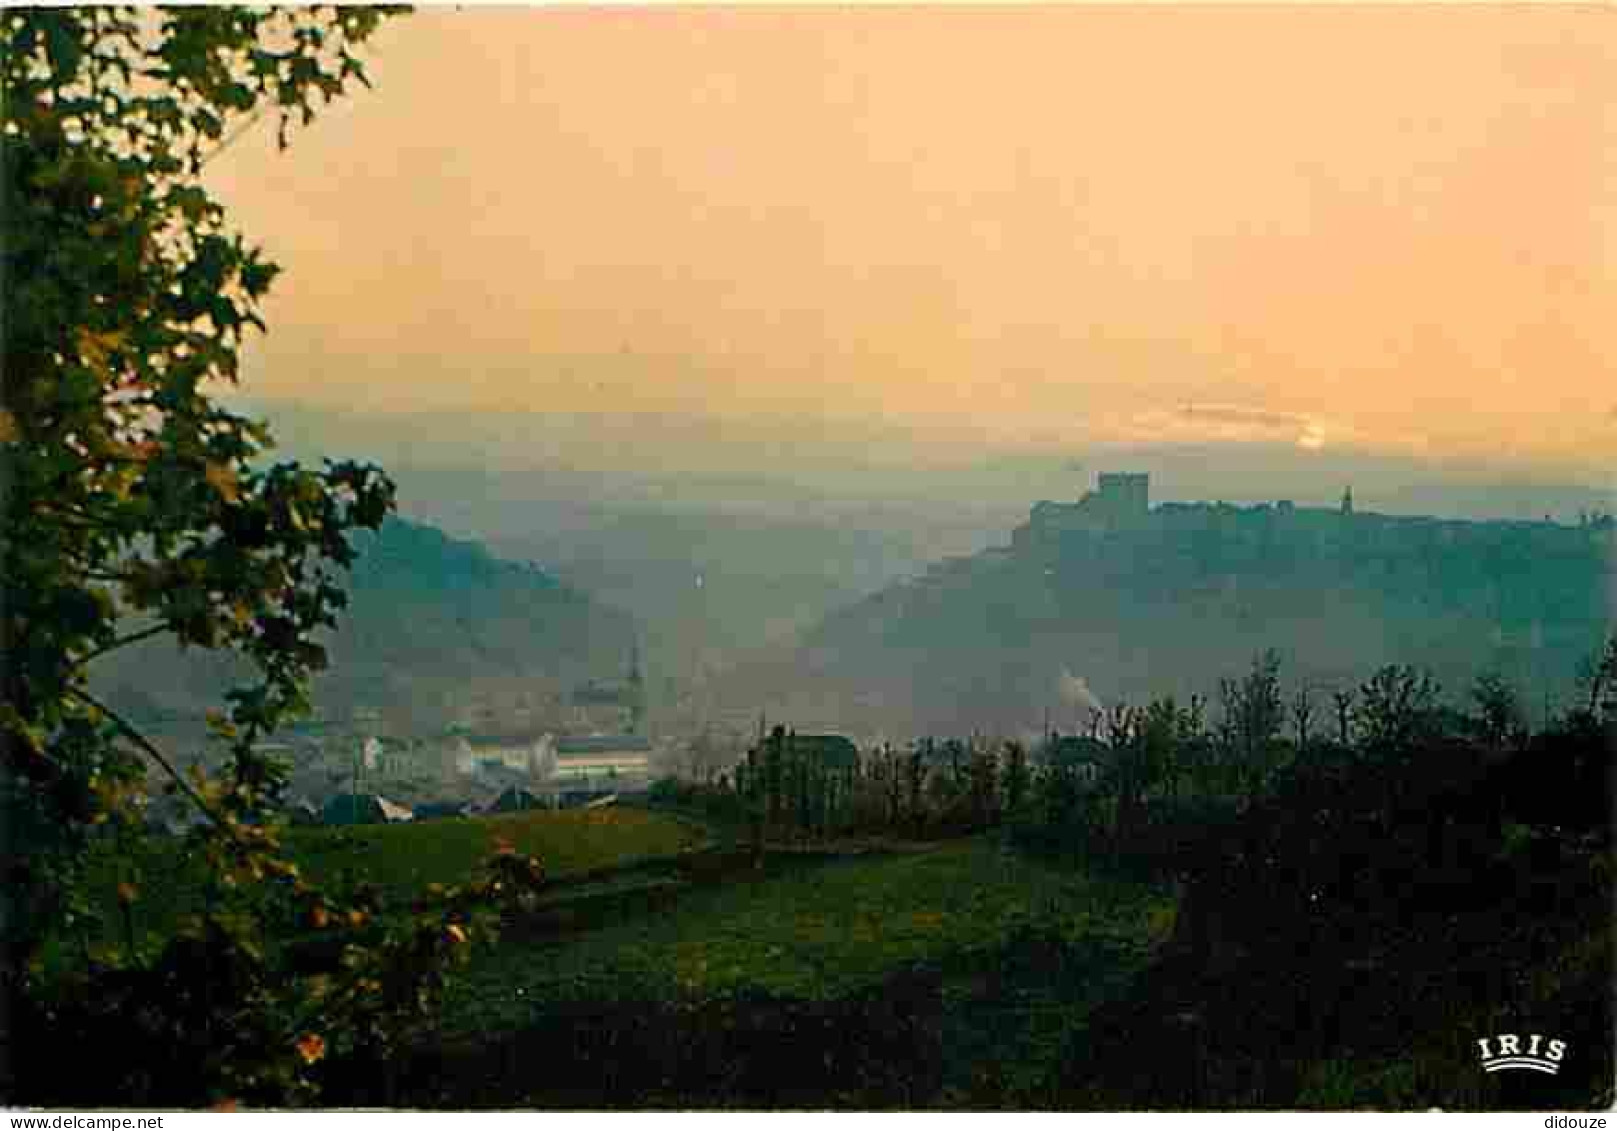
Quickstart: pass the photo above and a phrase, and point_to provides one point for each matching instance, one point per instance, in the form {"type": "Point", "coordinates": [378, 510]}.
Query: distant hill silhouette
{"type": "Point", "coordinates": [433, 622]}
{"type": "Point", "coordinates": [1171, 599]}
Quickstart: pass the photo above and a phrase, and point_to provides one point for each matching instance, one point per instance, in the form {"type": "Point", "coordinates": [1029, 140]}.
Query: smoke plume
{"type": "Point", "coordinates": [1074, 692]}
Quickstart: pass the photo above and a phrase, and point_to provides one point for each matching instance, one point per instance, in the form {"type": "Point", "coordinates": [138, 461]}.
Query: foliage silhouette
{"type": "Point", "coordinates": [137, 505]}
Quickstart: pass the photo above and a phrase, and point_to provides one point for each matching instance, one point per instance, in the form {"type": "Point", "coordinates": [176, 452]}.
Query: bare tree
{"type": "Point", "coordinates": [1343, 701]}
{"type": "Point", "coordinates": [1500, 718]}
{"type": "Point", "coordinates": [1598, 674]}
{"type": "Point", "coordinates": [1015, 778]}
{"type": "Point", "coordinates": [1254, 714]}
{"type": "Point", "coordinates": [1097, 720]}
{"type": "Point", "coordinates": [1302, 715]}
{"type": "Point", "coordinates": [1396, 707]}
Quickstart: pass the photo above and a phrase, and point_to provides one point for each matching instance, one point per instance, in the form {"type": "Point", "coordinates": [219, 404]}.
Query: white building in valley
{"type": "Point", "coordinates": [533, 754]}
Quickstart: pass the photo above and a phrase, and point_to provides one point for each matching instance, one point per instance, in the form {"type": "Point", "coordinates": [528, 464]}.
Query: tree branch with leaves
{"type": "Point", "coordinates": [136, 506]}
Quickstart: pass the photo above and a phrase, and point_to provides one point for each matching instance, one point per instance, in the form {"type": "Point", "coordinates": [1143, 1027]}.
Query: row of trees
{"type": "Point", "coordinates": [1130, 757]}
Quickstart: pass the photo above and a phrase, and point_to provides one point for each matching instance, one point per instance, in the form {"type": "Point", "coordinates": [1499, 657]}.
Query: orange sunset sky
{"type": "Point", "coordinates": [1371, 227]}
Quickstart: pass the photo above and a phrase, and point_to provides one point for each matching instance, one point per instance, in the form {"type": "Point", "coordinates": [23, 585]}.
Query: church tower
{"type": "Point", "coordinates": [635, 692]}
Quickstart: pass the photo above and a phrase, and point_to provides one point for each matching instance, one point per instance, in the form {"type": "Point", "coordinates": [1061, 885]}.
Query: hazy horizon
{"type": "Point", "coordinates": [1317, 240]}
{"type": "Point", "coordinates": [708, 465]}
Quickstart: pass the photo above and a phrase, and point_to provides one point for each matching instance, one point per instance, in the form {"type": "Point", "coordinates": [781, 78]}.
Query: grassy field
{"type": "Point", "coordinates": [401, 859]}
{"type": "Point", "coordinates": [705, 986]}
{"type": "Point", "coordinates": [937, 975]}
{"type": "Point", "coordinates": [822, 931]}
{"type": "Point", "coordinates": [398, 860]}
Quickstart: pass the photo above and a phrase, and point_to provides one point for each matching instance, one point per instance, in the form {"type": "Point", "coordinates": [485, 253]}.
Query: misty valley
{"type": "Point", "coordinates": [839, 557]}
{"type": "Point", "coordinates": [1236, 784]}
